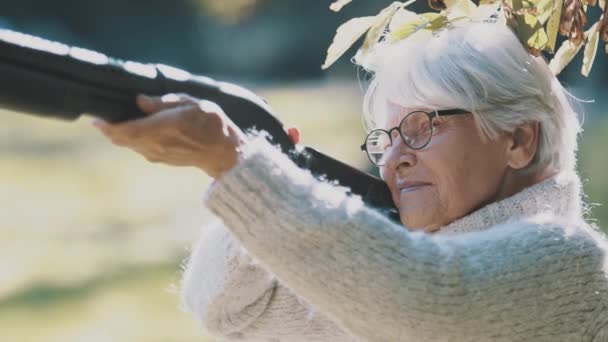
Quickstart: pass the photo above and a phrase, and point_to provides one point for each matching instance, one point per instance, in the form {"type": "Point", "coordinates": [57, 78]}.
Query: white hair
{"type": "Point", "coordinates": [482, 68]}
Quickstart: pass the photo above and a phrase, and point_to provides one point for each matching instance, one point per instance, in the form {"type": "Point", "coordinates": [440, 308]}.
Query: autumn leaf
{"type": "Point", "coordinates": [337, 5]}
{"type": "Point", "coordinates": [544, 9]}
{"type": "Point", "coordinates": [553, 25]}
{"type": "Point", "coordinates": [346, 35]}
{"type": "Point", "coordinates": [563, 56]}
{"type": "Point", "coordinates": [429, 21]}
{"type": "Point", "coordinates": [593, 36]}
{"type": "Point", "coordinates": [382, 19]}
{"type": "Point", "coordinates": [531, 32]}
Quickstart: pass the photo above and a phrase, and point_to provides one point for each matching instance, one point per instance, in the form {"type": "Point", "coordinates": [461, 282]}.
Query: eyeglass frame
{"type": "Point", "coordinates": [437, 113]}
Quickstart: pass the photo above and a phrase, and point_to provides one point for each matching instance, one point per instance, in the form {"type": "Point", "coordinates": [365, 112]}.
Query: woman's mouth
{"type": "Point", "coordinates": [406, 187]}
{"type": "Point", "coordinates": [413, 188]}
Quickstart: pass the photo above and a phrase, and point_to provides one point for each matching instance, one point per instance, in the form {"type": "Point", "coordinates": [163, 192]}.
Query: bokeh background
{"type": "Point", "coordinates": [92, 236]}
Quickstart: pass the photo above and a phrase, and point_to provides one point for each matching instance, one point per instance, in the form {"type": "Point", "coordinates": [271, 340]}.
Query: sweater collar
{"type": "Point", "coordinates": [559, 195]}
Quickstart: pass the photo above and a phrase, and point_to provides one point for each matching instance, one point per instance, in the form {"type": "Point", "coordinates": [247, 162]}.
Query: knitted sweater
{"type": "Point", "coordinates": [295, 259]}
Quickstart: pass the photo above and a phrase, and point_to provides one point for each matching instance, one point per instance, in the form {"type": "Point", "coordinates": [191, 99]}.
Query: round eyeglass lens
{"type": "Point", "coordinates": [377, 143]}
{"type": "Point", "coordinates": [416, 129]}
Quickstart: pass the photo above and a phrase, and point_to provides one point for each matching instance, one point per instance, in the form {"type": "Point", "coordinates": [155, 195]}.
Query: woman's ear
{"type": "Point", "coordinates": [523, 144]}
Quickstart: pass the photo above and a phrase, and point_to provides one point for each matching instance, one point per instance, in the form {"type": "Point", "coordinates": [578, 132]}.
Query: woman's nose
{"type": "Point", "coordinates": [400, 155]}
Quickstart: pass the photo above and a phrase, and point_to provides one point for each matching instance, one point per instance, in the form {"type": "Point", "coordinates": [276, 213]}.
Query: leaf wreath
{"type": "Point", "coordinates": [535, 22]}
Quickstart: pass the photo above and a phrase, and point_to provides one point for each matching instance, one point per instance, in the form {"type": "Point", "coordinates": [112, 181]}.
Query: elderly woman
{"type": "Point", "coordinates": [476, 140]}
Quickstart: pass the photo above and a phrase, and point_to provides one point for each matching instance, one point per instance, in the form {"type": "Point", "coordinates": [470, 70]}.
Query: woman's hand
{"type": "Point", "coordinates": [183, 131]}
{"type": "Point", "coordinates": [180, 130]}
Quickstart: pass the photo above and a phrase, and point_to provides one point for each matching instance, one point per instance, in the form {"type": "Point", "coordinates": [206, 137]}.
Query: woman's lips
{"type": "Point", "coordinates": [406, 187]}
{"type": "Point", "coordinates": [413, 188]}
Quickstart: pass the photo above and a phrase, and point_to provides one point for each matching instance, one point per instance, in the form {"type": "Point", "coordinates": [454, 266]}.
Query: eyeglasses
{"type": "Point", "coordinates": [416, 130]}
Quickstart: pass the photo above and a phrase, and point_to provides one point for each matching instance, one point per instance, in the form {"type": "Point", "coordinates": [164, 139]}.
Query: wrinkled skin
{"type": "Point", "coordinates": [461, 170]}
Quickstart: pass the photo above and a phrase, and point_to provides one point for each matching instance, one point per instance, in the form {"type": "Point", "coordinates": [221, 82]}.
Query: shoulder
{"type": "Point", "coordinates": [573, 242]}
{"type": "Point", "coordinates": [534, 240]}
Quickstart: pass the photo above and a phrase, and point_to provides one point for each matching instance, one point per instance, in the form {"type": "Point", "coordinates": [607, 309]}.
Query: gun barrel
{"type": "Point", "coordinates": [48, 78]}
{"type": "Point", "coordinates": [51, 79]}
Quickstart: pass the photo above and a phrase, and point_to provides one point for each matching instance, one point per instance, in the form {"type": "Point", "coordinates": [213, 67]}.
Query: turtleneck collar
{"type": "Point", "coordinates": [559, 195]}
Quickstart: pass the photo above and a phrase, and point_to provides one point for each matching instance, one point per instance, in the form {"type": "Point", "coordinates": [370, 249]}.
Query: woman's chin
{"type": "Point", "coordinates": [419, 214]}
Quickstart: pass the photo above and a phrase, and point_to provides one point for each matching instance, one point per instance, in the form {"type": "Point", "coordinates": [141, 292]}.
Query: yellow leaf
{"type": "Point", "coordinates": [406, 30]}
{"type": "Point", "coordinates": [435, 21]}
{"type": "Point", "coordinates": [530, 30]}
{"type": "Point", "coordinates": [382, 19]}
{"type": "Point", "coordinates": [428, 21]}
{"type": "Point", "coordinates": [544, 9]}
{"type": "Point", "coordinates": [517, 5]}
{"type": "Point", "coordinates": [346, 35]}
{"type": "Point", "coordinates": [590, 50]}
{"type": "Point", "coordinates": [337, 5]}
{"type": "Point", "coordinates": [563, 56]}
{"type": "Point", "coordinates": [553, 25]}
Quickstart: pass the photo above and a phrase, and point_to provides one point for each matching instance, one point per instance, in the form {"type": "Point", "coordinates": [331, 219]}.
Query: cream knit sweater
{"type": "Point", "coordinates": [294, 259]}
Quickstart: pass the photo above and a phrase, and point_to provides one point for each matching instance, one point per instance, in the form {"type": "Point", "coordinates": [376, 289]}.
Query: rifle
{"type": "Point", "coordinates": [51, 79]}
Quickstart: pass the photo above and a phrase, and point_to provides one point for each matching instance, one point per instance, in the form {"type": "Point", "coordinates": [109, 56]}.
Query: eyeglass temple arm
{"type": "Point", "coordinates": [451, 112]}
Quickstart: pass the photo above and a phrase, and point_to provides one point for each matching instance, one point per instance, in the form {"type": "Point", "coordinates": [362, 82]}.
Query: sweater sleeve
{"type": "Point", "coordinates": [531, 280]}
{"type": "Point", "coordinates": [236, 299]}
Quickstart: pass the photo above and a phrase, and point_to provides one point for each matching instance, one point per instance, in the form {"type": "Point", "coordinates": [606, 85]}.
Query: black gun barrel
{"type": "Point", "coordinates": [51, 79]}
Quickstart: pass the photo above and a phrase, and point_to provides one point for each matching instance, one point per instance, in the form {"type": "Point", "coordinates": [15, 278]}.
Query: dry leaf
{"type": "Point", "coordinates": [382, 19]}
{"type": "Point", "coordinates": [563, 56]}
{"type": "Point", "coordinates": [544, 9]}
{"type": "Point", "coordinates": [337, 5]}
{"type": "Point", "coordinates": [531, 32]}
{"type": "Point", "coordinates": [426, 21]}
{"type": "Point", "coordinates": [593, 36]}
{"type": "Point", "coordinates": [553, 25]}
{"type": "Point", "coordinates": [346, 35]}
{"type": "Point", "coordinates": [573, 20]}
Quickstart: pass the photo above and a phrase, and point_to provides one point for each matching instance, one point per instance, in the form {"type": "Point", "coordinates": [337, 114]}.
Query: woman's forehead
{"type": "Point", "coordinates": [395, 112]}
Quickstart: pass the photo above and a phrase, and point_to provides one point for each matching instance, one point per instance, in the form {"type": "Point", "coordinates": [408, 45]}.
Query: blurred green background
{"type": "Point", "coordinates": [92, 236]}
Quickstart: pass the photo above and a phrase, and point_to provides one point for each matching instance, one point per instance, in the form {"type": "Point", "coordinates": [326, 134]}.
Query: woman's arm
{"type": "Point", "coordinates": [521, 281]}
{"type": "Point", "coordinates": [234, 297]}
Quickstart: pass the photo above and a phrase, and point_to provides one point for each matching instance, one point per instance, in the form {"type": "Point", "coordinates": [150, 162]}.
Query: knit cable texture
{"type": "Point", "coordinates": [305, 261]}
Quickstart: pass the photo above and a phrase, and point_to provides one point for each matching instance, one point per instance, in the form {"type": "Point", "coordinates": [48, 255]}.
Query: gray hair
{"type": "Point", "coordinates": [482, 68]}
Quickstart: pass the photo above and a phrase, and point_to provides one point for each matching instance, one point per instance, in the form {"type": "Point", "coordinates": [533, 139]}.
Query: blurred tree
{"type": "Point", "coordinates": [230, 11]}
